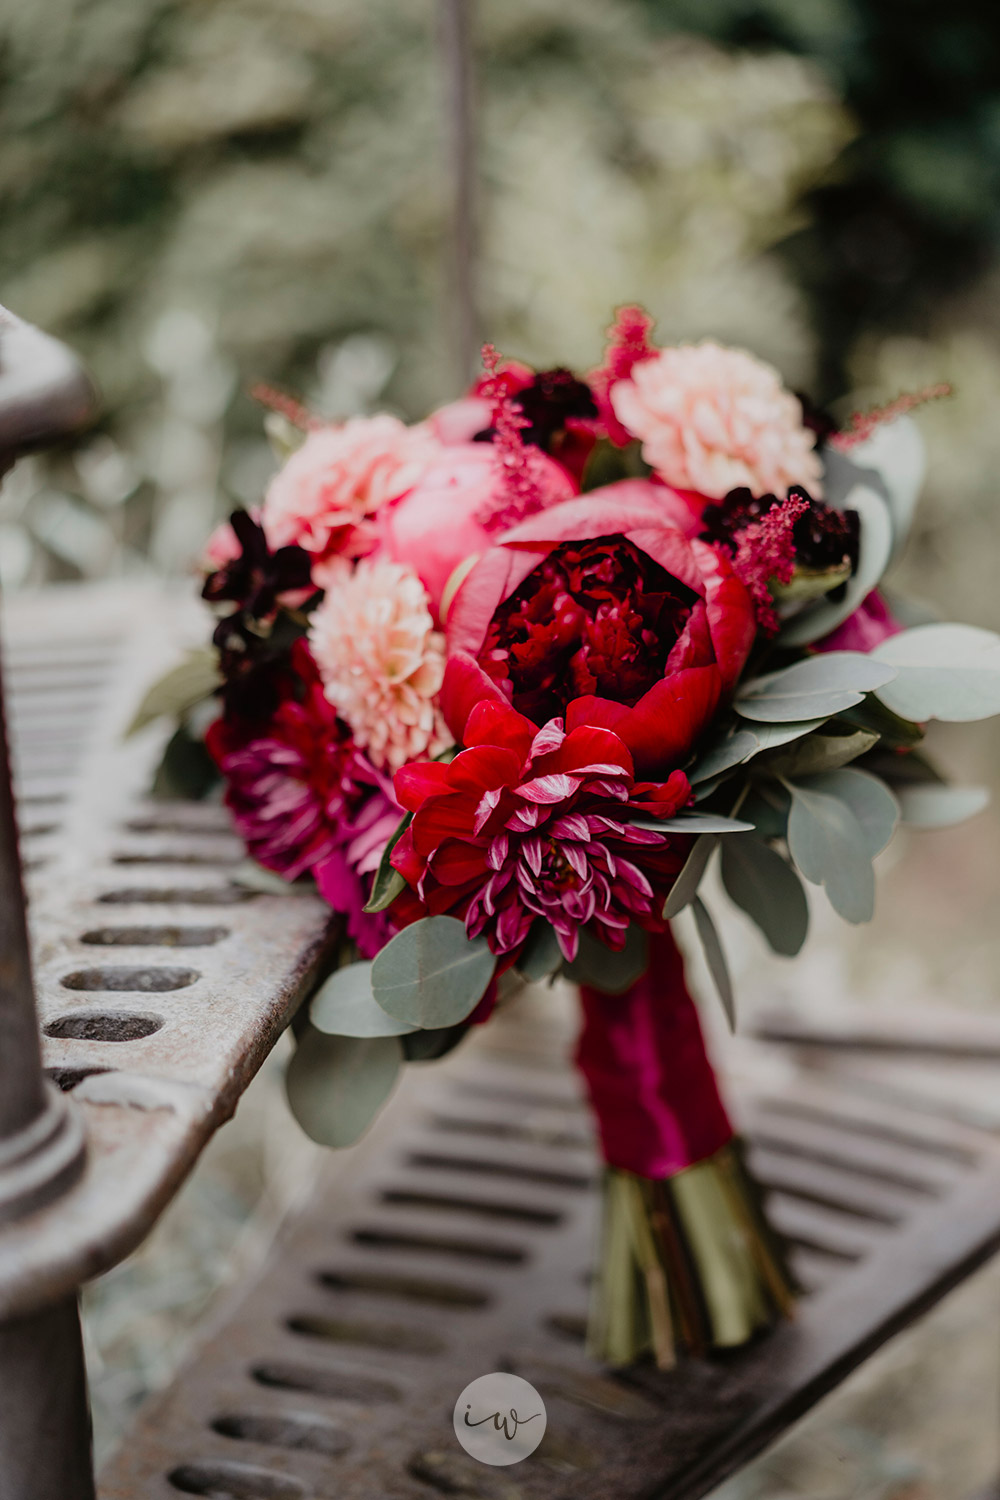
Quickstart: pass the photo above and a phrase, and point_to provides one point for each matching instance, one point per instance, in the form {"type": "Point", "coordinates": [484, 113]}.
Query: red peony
{"type": "Point", "coordinates": [603, 610]}
{"type": "Point", "coordinates": [528, 823]}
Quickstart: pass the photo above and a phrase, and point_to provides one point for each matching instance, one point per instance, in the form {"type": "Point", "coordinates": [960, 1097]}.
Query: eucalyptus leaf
{"type": "Point", "coordinates": [948, 672]}
{"type": "Point", "coordinates": [767, 808]}
{"type": "Point", "coordinates": [601, 968]}
{"type": "Point", "coordinates": [896, 452]}
{"type": "Point", "coordinates": [715, 958]}
{"type": "Point", "coordinates": [766, 887]}
{"type": "Point", "coordinates": [692, 822]}
{"type": "Point", "coordinates": [869, 799]}
{"type": "Point", "coordinates": [684, 888]}
{"type": "Point", "coordinates": [894, 732]}
{"type": "Point", "coordinates": [541, 955]}
{"type": "Point", "coordinates": [931, 806]}
{"type": "Point", "coordinates": [432, 974]}
{"type": "Point", "coordinates": [428, 1046]}
{"type": "Point", "coordinates": [191, 681]}
{"type": "Point", "coordinates": [186, 769]}
{"type": "Point", "coordinates": [740, 746]}
{"type": "Point", "coordinates": [336, 1085]}
{"type": "Point", "coordinates": [821, 752]}
{"type": "Point", "coordinates": [726, 753]}
{"type": "Point", "coordinates": [388, 883]}
{"type": "Point", "coordinates": [817, 687]}
{"type": "Point", "coordinates": [254, 877]}
{"type": "Point", "coordinates": [830, 849]}
{"type": "Point", "coordinates": [874, 551]}
{"type": "Point", "coordinates": [345, 1006]}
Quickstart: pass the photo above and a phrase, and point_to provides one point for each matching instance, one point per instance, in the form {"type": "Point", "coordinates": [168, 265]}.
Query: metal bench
{"type": "Point", "coordinates": [457, 1238]}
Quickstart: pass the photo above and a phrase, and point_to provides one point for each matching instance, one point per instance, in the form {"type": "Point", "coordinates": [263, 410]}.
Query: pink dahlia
{"type": "Point", "coordinates": [304, 799]}
{"type": "Point", "coordinates": [324, 497]}
{"type": "Point", "coordinates": [712, 419]}
{"type": "Point", "coordinates": [530, 823]}
{"type": "Point", "coordinates": [381, 660]}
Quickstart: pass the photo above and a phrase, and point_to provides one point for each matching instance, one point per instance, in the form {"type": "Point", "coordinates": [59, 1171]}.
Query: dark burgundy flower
{"type": "Point", "coordinates": [824, 538]}
{"type": "Point", "coordinates": [529, 823]}
{"type": "Point", "coordinates": [595, 617]}
{"type": "Point", "coordinates": [256, 577]}
{"type": "Point", "coordinates": [303, 797]}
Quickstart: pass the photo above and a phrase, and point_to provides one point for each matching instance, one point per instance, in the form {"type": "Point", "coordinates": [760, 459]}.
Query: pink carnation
{"type": "Point", "coordinates": [712, 419]}
{"type": "Point", "coordinates": [381, 661]}
{"type": "Point", "coordinates": [323, 498]}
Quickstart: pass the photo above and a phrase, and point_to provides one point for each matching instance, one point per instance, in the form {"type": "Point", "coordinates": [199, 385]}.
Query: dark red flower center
{"type": "Point", "coordinates": [596, 617]}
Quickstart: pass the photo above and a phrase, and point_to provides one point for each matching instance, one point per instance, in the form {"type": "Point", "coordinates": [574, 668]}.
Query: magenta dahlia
{"type": "Point", "coordinates": [530, 823]}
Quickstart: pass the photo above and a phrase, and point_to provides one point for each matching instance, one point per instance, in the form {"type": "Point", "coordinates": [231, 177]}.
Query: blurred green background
{"type": "Point", "coordinates": [202, 194]}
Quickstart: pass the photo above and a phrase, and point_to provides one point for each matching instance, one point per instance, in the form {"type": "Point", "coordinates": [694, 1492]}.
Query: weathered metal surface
{"type": "Point", "coordinates": [161, 985]}
{"type": "Point", "coordinates": [457, 1239]}
{"type": "Point", "coordinates": [44, 1417]}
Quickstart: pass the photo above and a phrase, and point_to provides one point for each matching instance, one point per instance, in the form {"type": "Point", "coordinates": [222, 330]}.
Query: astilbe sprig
{"type": "Point", "coordinates": [765, 554]}
{"type": "Point", "coordinates": [862, 424]}
{"type": "Point", "coordinates": [628, 345]}
{"type": "Point", "coordinates": [520, 493]}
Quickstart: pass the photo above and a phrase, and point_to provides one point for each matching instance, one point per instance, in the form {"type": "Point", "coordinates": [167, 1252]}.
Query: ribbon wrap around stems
{"type": "Point", "coordinates": [651, 1084]}
{"type": "Point", "coordinates": [688, 1258]}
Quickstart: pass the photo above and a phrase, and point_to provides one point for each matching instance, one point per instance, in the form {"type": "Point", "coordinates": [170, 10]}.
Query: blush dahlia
{"type": "Point", "coordinates": [531, 823]}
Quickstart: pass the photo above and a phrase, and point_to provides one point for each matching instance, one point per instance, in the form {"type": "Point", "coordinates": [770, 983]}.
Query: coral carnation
{"type": "Point", "coordinates": [323, 498]}
{"type": "Point", "coordinates": [381, 660]}
{"type": "Point", "coordinates": [711, 419]}
{"type": "Point", "coordinates": [528, 823]}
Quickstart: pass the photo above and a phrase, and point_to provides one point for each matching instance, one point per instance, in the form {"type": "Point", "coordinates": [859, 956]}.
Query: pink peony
{"type": "Point", "coordinates": [446, 517]}
{"type": "Point", "coordinates": [712, 419]}
{"type": "Point", "coordinates": [381, 661]}
{"type": "Point", "coordinates": [324, 497]}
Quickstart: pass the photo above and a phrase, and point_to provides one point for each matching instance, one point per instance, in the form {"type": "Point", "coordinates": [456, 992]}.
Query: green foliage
{"type": "Point", "coordinates": [715, 958]}
{"type": "Point", "coordinates": [432, 974]}
{"type": "Point", "coordinates": [336, 1085]}
{"type": "Point", "coordinates": [949, 672]}
{"type": "Point", "coordinates": [939, 806]}
{"type": "Point", "coordinates": [541, 955]}
{"type": "Point", "coordinates": [766, 887]}
{"type": "Point", "coordinates": [596, 965]}
{"type": "Point", "coordinates": [181, 689]}
{"type": "Point", "coordinates": [388, 882]}
{"type": "Point", "coordinates": [817, 687]}
{"type": "Point", "coordinates": [187, 770]}
{"type": "Point", "coordinates": [345, 1005]}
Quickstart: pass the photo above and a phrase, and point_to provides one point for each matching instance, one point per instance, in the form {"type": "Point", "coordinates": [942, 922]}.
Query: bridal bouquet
{"type": "Point", "coordinates": [502, 683]}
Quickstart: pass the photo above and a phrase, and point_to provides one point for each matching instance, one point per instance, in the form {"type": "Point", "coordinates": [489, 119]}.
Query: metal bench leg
{"type": "Point", "coordinates": [45, 1450]}
{"type": "Point", "coordinates": [45, 1445]}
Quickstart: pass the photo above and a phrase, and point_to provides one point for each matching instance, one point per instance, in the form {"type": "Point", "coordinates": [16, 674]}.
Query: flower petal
{"type": "Point", "coordinates": [492, 723]}
{"type": "Point", "coordinates": [663, 726]}
{"type": "Point", "coordinates": [413, 784]}
{"type": "Point", "coordinates": [465, 684]}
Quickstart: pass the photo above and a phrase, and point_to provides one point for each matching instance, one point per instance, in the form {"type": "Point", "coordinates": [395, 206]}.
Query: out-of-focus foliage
{"type": "Point", "coordinates": [910, 210]}
{"type": "Point", "coordinates": [201, 194]}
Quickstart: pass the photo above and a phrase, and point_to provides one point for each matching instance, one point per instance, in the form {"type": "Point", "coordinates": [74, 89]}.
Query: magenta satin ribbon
{"type": "Point", "coordinates": [651, 1084]}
